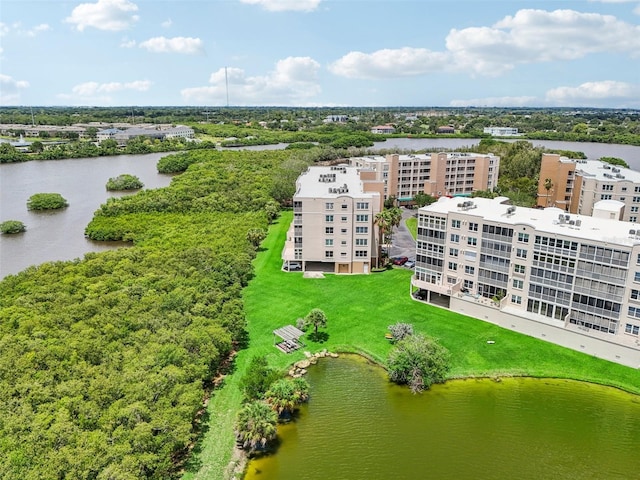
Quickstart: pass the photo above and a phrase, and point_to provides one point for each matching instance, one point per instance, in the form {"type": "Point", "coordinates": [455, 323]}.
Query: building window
{"type": "Point", "coordinates": [328, 206]}
{"type": "Point", "coordinates": [361, 242]}
{"type": "Point", "coordinates": [633, 219]}
{"type": "Point", "coordinates": [361, 253]}
{"type": "Point", "coordinates": [454, 252]}
{"type": "Point", "coordinates": [632, 329]}
{"type": "Point", "coordinates": [343, 219]}
{"type": "Point", "coordinates": [605, 197]}
{"type": "Point", "coordinates": [455, 238]}
{"type": "Point", "coordinates": [362, 229]}
{"type": "Point", "coordinates": [635, 294]}
{"type": "Point", "coordinates": [523, 237]}
{"type": "Point", "coordinates": [468, 284]}
{"type": "Point", "coordinates": [519, 268]}
{"type": "Point", "coordinates": [468, 269]}
{"type": "Point", "coordinates": [328, 242]}
{"type": "Point", "coordinates": [634, 312]}
{"type": "Point", "coordinates": [344, 206]}
{"type": "Point", "coordinates": [473, 227]}
{"type": "Point", "coordinates": [453, 266]}
{"type": "Point", "coordinates": [362, 205]}
{"type": "Point", "coordinates": [519, 284]}
{"type": "Point", "coordinates": [328, 218]}
{"type": "Point", "coordinates": [634, 209]}
{"type": "Point", "coordinates": [328, 253]}
{"type": "Point", "coordinates": [607, 188]}
{"type": "Point", "coordinates": [455, 223]}
{"type": "Point", "coordinates": [343, 231]}
{"type": "Point", "coordinates": [521, 253]}
{"type": "Point", "coordinates": [636, 199]}
{"type": "Point", "coordinates": [362, 218]}
{"type": "Point", "coordinates": [472, 241]}
{"type": "Point", "coordinates": [328, 230]}
{"type": "Point", "coordinates": [517, 299]}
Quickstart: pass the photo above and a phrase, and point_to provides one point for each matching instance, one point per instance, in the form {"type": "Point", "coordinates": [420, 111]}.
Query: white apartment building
{"type": "Point", "coordinates": [573, 280]}
{"type": "Point", "coordinates": [501, 131]}
{"type": "Point", "coordinates": [436, 174]}
{"type": "Point", "coordinates": [333, 221]}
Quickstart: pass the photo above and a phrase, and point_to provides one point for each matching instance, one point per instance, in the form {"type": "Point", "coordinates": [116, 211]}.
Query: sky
{"type": "Point", "coordinates": [312, 53]}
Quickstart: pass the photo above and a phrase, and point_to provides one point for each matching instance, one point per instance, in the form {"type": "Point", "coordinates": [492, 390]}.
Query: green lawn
{"type": "Point", "coordinates": [359, 308]}
{"type": "Point", "coordinates": [412, 226]}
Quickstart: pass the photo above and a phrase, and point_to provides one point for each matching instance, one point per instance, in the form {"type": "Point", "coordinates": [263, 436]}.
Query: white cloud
{"type": "Point", "coordinates": [389, 63]}
{"type": "Point", "coordinates": [285, 5]}
{"type": "Point", "coordinates": [18, 30]}
{"type": "Point", "coordinates": [88, 89]}
{"type": "Point", "coordinates": [185, 45]}
{"type": "Point", "coordinates": [112, 15]}
{"type": "Point", "coordinates": [125, 43]}
{"type": "Point", "coordinates": [523, 101]}
{"type": "Point", "coordinates": [167, 23]}
{"type": "Point", "coordinates": [43, 27]}
{"type": "Point", "coordinates": [10, 89]}
{"type": "Point", "coordinates": [529, 36]}
{"type": "Point", "coordinates": [607, 93]}
{"type": "Point", "coordinates": [294, 81]}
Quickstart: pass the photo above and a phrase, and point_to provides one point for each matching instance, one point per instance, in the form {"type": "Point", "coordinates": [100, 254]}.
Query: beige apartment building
{"type": "Point", "coordinates": [436, 174]}
{"type": "Point", "coordinates": [589, 187]}
{"type": "Point", "coordinates": [568, 279]}
{"type": "Point", "coordinates": [333, 229]}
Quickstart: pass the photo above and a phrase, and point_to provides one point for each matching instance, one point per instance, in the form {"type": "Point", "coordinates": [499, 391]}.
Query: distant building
{"type": "Point", "coordinates": [436, 174]}
{"type": "Point", "coordinates": [335, 119]}
{"type": "Point", "coordinates": [107, 134]}
{"type": "Point", "coordinates": [578, 186]}
{"type": "Point", "coordinates": [383, 129]}
{"type": "Point", "coordinates": [501, 131]}
{"type": "Point", "coordinates": [179, 131]}
{"type": "Point", "coordinates": [333, 227]}
{"type": "Point", "coordinates": [573, 280]}
{"type": "Point", "coordinates": [124, 136]}
{"type": "Point", "coordinates": [446, 129]}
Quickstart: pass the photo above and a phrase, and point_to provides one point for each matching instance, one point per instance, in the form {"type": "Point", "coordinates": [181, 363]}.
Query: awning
{"type": "Point", "coordinates": [288, 333]}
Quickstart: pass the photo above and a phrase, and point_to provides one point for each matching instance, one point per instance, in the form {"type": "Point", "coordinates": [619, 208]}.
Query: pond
{"type": "Point", "coordinates": [357, 425]}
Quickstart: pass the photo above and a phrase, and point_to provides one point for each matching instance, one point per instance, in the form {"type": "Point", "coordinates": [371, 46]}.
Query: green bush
{"type": "Point", "coordinates": [12, 226]}
{"type": "Point", "coordinates": [124, 182]}
{"type": "Point", "coordinates": [46, 201]}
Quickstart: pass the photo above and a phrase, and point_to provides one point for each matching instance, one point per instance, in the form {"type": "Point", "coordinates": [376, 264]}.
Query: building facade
{"type": "Point", "coordinates": [501, 131]}
{"type": "Point", "coordinates": [333, 228]}
{"type": "Point", "coordinates": [588, 187]}
{"type": "Point", "coordinates": [436, 174]}
{"type": "Point", "coordinates": [570, 279]}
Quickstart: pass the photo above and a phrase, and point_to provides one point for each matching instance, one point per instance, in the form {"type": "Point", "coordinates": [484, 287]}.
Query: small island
{"type": "Point", "coordinates": [124, 182]}
{"type": "Point", "coordinates": [46, 201]}
{"type": "Point", "coordinates": [12, 226]}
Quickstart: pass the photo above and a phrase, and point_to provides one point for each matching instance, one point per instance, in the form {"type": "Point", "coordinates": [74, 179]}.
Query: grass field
{"type": "Point", "coordinates": [359, 308]}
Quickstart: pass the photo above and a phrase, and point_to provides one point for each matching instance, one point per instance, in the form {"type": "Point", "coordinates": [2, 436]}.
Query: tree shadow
{"type": "Point", "coordinates": [318, 337]}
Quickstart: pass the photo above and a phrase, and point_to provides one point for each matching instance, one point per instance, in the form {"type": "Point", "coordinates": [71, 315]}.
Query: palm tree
{"type": "Point", "coordinates": [256, 425]}
{"type": "Point", "coordinates": [285, 395]}
{"type": "Point", "coordinates": [383, 222]}
{"type": "Point", "coordinates": [548, 185]}
{"type": "Point", "coordinates": [317, 318]}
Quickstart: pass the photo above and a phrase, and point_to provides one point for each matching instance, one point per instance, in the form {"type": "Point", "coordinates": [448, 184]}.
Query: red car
{"type": "Point", "coordinates": [399, 260]}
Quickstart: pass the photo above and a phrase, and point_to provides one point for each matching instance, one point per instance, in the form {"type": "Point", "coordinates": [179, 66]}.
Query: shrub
{"type": "Point", "coordinates": [124, 182]}
{"type": "Point", "coordinates": [46, 201]}
{"type": "Point", "coordinates": [400, 331]}
{"type": "Point", "coordinates": [12, 226]}
{"type": "Point", "coordinates": [418, 361]}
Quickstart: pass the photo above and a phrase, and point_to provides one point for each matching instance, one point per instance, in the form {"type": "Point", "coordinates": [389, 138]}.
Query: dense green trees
{"type": "Point", "coordinates": [46, 201]}
{"type": "Point", "coordinates": [12, 226]}
{"type": "Point", "coordinates": [256, 425]}
{"type": "Point", "coordinates": [124, 182]}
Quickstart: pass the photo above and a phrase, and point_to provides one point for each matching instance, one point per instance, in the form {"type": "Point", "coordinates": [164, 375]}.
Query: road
{"type": "Point", "coordinates": [403, 243]}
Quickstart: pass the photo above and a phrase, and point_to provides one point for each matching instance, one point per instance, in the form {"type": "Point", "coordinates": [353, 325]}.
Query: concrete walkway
{"type": "Point", "coordinates": [403, 243]}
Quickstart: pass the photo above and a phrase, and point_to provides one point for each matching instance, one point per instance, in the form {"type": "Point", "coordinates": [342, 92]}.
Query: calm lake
{"type": "Point", "coordinates": [60, 235]}
{"type": "Point", "coordinates": [358, 426]}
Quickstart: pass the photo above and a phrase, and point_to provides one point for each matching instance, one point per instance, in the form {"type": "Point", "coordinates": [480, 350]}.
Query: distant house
{"type": "Point", "coordinates": [383, 129]}
{"type": "Point", "coordinates": [179, 131]}
{"type": "Point", "coordinates": [501, 131]}
{"type": "Point", "coordinates": [446, 129]}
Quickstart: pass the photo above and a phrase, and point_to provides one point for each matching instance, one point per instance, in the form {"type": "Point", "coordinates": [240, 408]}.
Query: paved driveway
{"type": "Point", "coordinates": [403, 243]}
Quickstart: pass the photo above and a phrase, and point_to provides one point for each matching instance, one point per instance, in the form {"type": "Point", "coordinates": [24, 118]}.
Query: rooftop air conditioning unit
{"type": "Point", "coordinates": [578, 223]}
{"type": "Point", "coordinates": [607, 167]}
{"type": "Point", "coordinates": [632, 232]}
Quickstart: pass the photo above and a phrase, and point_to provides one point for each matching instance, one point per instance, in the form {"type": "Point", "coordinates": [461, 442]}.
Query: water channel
{"type": "Point", "coordinates": [60, 235]}
{"type": "Point", "coordinates": [358, 426]}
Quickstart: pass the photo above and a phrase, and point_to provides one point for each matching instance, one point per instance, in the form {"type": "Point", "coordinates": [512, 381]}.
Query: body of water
{"type": "Point", "coordinates": [358, 426]}
{"type": "Point", "coordinates": [59, 235]}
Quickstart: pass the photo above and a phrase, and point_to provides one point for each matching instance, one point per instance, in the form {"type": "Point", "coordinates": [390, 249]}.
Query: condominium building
{"type": "Point", "coordinates": [568, 279]}
{"type": "Point", "coordinates": [333, 229]}
{"type": "Point", "coordinates": [501, 131]}
{"type": "Point", "coordinates": [589, 187]}
{"type": "Point", "coordinates": [436, 174]}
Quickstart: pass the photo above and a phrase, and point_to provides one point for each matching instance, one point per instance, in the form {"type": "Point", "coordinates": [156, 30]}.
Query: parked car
{"type": "Point", "coordinates": [293, 266]}
{"type": "Point", "coordinates": [410, 264]}
{"type": "Point", "coordinates": [399, 260]}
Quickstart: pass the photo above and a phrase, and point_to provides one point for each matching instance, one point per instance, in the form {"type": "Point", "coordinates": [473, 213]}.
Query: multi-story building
{"type": "Point", "coordinates": [501, 131]}
{"type": "Point", "coordinates": [436, 174]}
{"type": "Point", "coordinates": [333, 228]}
{"type": "Point", "coordinates": [589, 187]}
{"type": "Point", "coordinates": [569, 279]}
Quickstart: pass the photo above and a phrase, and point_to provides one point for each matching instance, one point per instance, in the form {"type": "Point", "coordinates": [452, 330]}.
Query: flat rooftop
{"type": "Point", "coordinates": [331, 182]}
{"type": "Point", "coordinates": [545, 220]}
{"type": "Point", "coordinates": [605, 172]}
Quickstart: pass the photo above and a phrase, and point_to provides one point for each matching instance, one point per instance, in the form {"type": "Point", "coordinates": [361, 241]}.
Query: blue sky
{"type": "Point", "coordinates": [321, 53]}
